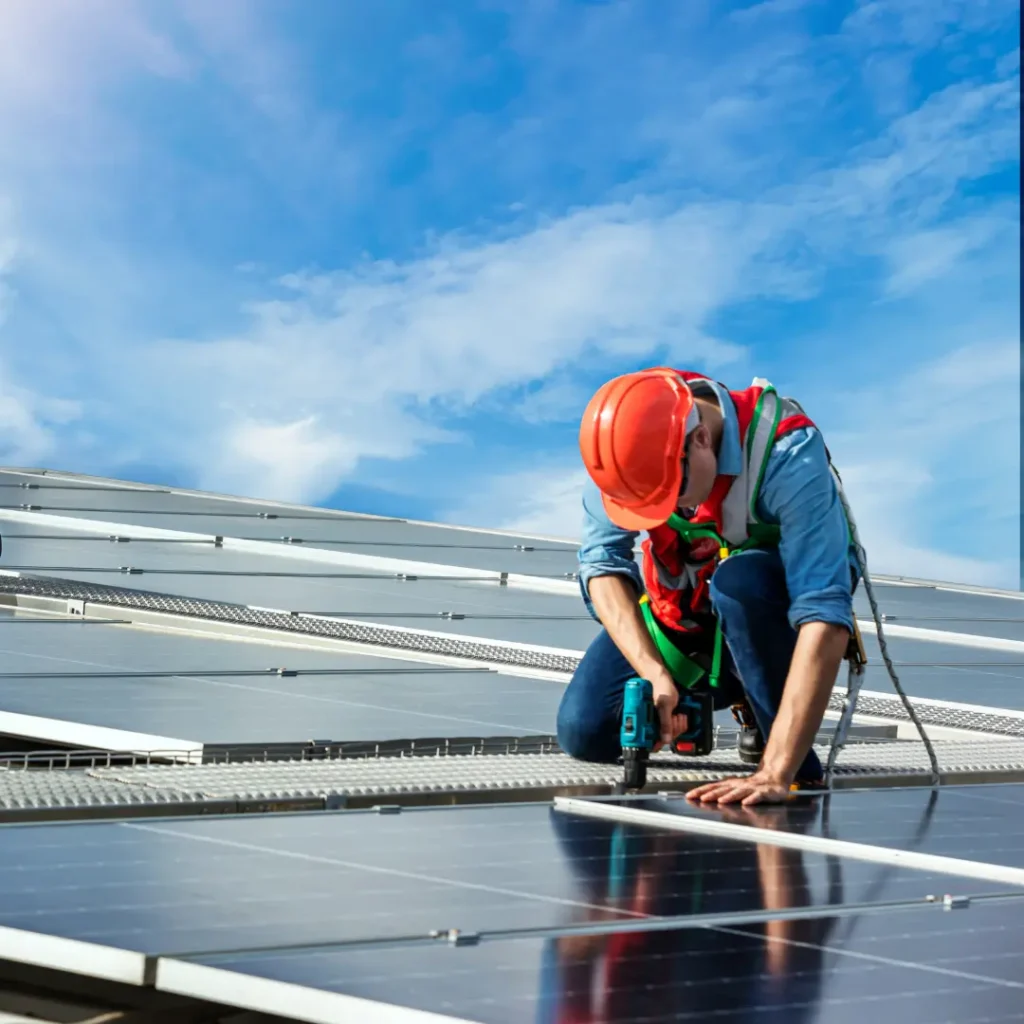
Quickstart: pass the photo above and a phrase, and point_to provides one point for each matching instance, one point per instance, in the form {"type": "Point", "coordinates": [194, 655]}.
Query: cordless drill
{"type": "Point", "coordinates": [641, 729]}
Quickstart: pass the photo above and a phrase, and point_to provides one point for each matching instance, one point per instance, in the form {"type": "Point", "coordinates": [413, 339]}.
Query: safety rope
{"type": "Point", "coordinates": [855, 676]}
{"type": "Point", "coordinates": [758, 533]}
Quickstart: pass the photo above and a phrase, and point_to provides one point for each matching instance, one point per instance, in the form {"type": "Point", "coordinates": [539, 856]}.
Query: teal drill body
{"type": "Point", "coordinates": [640, 728]}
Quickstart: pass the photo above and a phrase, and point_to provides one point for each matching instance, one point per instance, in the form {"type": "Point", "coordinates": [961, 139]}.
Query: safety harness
{"type": "Point", "coordinates": [760, 436]}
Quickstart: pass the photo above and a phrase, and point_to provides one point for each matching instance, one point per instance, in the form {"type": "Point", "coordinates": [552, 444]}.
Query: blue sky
{"type": "Point", "coordinates": [378, 255]}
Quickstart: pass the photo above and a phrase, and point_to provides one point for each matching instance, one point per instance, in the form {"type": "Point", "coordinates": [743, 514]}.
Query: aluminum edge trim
{"type": "Point", "coordinates": [73, 956]}
{"type": "Point", "coordinates": [94, 737]}
{"type": "Point", "coordinates": [295, 1002]}
{"type": "Point", "coordinates": [816, 844]}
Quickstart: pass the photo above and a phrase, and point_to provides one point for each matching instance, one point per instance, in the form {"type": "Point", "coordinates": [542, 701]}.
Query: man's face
{"type": "Point", "coordinates": [700, 467]}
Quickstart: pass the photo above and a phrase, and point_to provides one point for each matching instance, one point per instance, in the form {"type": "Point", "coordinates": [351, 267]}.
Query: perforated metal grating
{"type": "Point", "coordinates": [219, 611]}
{"type": "Point", "coordinates": [935, 714]}
{"type": "Point", "coordinates": [218, 788]}
{"type": "Point", "coordinates": [397, 638]}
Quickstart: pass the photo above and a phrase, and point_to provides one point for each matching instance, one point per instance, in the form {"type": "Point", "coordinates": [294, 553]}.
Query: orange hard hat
{"type": "Point", "coordinates": [632, 440]}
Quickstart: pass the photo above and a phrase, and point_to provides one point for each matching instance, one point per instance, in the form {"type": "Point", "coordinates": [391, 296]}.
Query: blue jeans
{"type": "Point", "coordinates": [750, 598]}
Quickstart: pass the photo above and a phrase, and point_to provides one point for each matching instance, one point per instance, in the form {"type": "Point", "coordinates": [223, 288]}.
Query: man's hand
{"type": "Point", "coordinates": [666, 699]}
{"type": "Point", "coordinates": [760, 788]}
{"type": "Point", "coordinates": [615, 601]}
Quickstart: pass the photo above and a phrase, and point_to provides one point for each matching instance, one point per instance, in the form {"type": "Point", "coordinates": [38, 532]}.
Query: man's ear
{"type": "Point", "coordinates": [702, 436]}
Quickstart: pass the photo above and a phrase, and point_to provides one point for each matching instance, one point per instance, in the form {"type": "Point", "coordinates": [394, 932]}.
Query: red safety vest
{"type": "Point", "coordinates": [677, 572]}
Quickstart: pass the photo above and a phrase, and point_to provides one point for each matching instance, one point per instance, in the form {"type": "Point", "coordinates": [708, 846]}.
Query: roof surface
{"type": "Point", "coordinates": [299, 762]}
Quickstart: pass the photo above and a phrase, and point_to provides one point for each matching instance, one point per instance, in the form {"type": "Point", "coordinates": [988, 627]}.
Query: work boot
{"type": "Point", "coordinates": [750, 742]}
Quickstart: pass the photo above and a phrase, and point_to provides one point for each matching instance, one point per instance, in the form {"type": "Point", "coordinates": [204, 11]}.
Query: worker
{"type": "Point", "coordinates": [746, 579]}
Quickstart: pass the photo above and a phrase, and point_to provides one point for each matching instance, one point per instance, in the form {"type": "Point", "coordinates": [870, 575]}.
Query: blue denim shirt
{"type": "Point", "coordinates": [797, 494]}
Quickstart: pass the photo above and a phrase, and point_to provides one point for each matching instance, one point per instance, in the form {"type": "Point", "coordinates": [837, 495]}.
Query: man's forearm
{"type": "Point", "coordinates": [615, 601]}
{"type": "Point", "coordinates": [819, 652]}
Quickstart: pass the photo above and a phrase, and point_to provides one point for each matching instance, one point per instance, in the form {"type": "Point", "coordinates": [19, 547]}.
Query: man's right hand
{"type": "Point", "coordinates": [666, 699]}
{"type": "Point", "coordinates": [615, 601]}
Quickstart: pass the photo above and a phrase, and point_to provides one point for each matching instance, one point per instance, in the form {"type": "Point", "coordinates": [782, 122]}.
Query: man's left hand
{"type": "Point", "coordinates": [759, 788]}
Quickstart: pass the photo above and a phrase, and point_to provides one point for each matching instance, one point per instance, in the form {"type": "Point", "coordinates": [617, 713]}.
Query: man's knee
{"type": "Point", "coordinates": [749, 577]}
{"type": "Point", "coordinates": [583, 730]}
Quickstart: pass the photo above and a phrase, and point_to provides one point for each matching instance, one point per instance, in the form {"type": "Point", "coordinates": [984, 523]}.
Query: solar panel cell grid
{"type": "Point", "coordinates": [221, 884]}
{"type": "Point", "coordinates": [977, 823]}
{"type": "Point", "coordinates": [391, 538]}
{"type": "Point", "coordinates": [86, 680]}
{"type": "Point", "coordinates": [897, 966]}
{"type": "Point", "coordinates": [493, 611]}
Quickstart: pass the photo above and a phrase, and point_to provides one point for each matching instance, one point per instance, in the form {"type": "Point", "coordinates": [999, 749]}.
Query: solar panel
{"type": "Point", "coordinates": [948, 672]}
{"type": "Point", "coordinates": [978, 823]}
{"type": "Point", "coordinates": [295, 584]}
{"type": "Point", "coordinates": [543, 910]}
{"type": "Point", "coordinates": [387, 537]}
{"type": "Point", "coordinates": [190, 886]}
{"type": "Point", "coordinates": [205, 691]}
{"type": "Point", "coordinates": [955, 610]}
{"type": "Point", "coordinates": [899, 965]}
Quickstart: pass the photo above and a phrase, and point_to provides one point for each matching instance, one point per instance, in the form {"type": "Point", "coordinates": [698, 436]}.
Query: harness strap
{"type": "Point", "coordinates": [684, 670]}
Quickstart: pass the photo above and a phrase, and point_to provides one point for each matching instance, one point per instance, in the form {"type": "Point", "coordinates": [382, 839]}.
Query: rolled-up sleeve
{"type": "Point", "coordinates": [606, 549]}
{"type": "Point", "coordinates": [799, 494]}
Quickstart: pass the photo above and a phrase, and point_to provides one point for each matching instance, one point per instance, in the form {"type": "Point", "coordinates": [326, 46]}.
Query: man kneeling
{"type": "Point", "coordinates": [747, 576]}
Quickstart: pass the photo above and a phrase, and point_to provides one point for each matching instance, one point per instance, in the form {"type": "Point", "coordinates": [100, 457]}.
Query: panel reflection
{"type": "Point", "coordinates": [687, 973]}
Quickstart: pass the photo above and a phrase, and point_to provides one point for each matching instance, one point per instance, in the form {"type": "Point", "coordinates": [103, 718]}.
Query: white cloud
{"type": "Point", "coordinates": [28, 423]}
{"type": "Point", "coordinates": [922, 256]}
{"type": "Point", "coordinates": [542, 502]}
{"type": "Point", "coordinates": [60, 52]}
{"type": "Point", "coordinates": [375, 356]}
{"type": "Point", "coordinates": [379, 355]}
{"type": "Point", "coordinates": [939, 444]}
{"type": "Point", "coordinates": [294, 460]}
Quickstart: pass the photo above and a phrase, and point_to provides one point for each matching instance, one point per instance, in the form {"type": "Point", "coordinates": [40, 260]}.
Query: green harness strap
{"type": "Point", "coordinates": [684, 670]}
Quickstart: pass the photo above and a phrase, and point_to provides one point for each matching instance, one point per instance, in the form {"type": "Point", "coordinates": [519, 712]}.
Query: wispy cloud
{"type": "Point", "coordinates": [923, 256]}
{"type": "Point", "coordinates": [30, 424]}
{"type": "Point", "coordinates": [942, 437]}
{"type": "Point", "coordinates": [539, 502]}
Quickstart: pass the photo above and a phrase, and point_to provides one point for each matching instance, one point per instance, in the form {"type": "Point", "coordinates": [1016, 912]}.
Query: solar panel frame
{"type": "Point", "coordinates": [674, 812]}
{"type": "Point", "coordinates": [966, 823]}
{"type": "Point", "coordinates": [299, 583]}
{"type": "Point", "coordinates": [195, 886]}
{"type": "Point", "coordinates": [836, 970]}
{"type": "Point", "coordinates": [185, 712]}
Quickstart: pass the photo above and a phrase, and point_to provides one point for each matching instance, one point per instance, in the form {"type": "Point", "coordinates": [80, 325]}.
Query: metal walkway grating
{"type": "Point", "coordinates": [396, 638]}
{"type": "Point", "coordinates": [446, 778]}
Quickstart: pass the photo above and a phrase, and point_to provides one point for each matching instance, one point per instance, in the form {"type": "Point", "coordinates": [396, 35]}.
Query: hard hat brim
{"type": "Point", "coordinates": [643, 517]}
